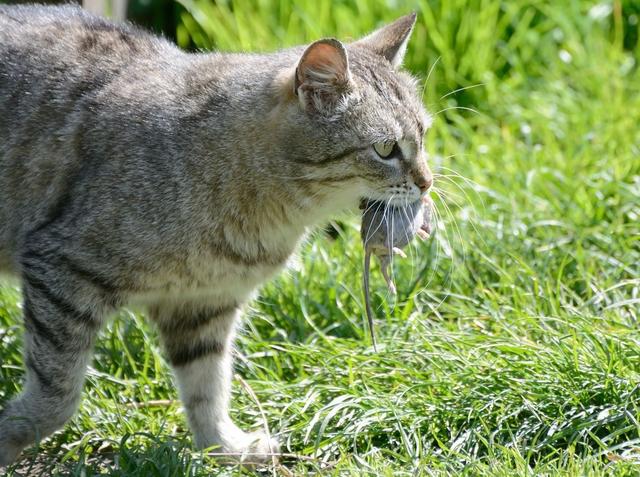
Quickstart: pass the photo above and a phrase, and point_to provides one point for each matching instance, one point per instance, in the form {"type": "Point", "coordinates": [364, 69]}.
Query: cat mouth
{"type": "Point", "coordinates": [400, 202]}
{"type": "Point", "coordinates": [393, 200]}
{"type": "Point", "coordinates": [366, 202]}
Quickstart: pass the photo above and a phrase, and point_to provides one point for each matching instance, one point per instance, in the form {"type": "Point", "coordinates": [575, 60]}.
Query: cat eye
{"type": "Point", "coordinates": [385, 149]}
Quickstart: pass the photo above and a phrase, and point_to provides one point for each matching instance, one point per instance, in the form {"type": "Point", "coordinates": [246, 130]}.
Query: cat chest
{"type": "Point", "coordinates": [210, 278]}
{"type": "Point", "coordinates": [218, 268]}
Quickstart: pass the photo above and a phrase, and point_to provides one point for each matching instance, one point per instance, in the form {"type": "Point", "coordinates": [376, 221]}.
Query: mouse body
{"type": "Point", "coordinates": [386, 229]}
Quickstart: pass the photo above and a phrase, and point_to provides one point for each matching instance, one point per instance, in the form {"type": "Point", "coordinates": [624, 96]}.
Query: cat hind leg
{"type": "Point", "coordinates": [58, 343]}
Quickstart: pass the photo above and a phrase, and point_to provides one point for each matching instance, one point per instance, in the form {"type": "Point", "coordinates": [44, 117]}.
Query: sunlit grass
{"type": "Point", "coordinates": [512, 347]}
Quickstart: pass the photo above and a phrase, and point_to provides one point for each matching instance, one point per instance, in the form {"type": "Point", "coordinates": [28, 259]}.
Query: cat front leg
{"type": "Point", "coordinates": [198, 340]}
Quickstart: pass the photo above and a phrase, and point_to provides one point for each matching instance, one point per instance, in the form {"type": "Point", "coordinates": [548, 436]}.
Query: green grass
{"type": "Point", "coordinates": [513, 346]}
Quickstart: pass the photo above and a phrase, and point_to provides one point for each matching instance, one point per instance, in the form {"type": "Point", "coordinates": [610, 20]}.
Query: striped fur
{"type": "Point", "coordinates": [134, 173]}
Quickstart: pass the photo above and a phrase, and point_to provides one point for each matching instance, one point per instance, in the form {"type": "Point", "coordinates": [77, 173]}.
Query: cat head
{"type": "Point", "coordinates": [359, 122]}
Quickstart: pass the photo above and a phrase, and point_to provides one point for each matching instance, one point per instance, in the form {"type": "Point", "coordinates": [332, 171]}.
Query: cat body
{"type": "Point", "coordinates": [156, 126]}
{"type": "Point", "coordinates": [134, 173]}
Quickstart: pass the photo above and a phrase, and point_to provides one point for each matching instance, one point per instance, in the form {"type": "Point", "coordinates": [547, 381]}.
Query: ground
{"type": "Point", "coordinates": [512, 347]}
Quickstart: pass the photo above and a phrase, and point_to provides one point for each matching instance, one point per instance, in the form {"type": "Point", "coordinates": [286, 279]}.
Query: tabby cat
{"type": "Point", "coordinates": [133, 173]}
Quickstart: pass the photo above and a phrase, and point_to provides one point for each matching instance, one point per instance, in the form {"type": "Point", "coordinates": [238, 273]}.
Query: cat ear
{"type": "Point", "coordinates": [391, 40]}
{"type": "Point", "coordinates": [322, 75]}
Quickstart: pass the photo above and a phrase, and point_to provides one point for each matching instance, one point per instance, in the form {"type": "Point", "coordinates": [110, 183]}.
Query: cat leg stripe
{"type": "Point", "coordinates": [46, 381]}
{"type": "Point", "coordinates": [181, 322]}
{"type": "Point", "coordinates": [90, 276]}
{"type": "Point", "coordinates": [32, 259]}
{"type": "Point", "coordinates": [188, 353]}
{"type": "Point", "coordinates": [63, 306]}
{"type": "Point", "coordinates": [40, 329]}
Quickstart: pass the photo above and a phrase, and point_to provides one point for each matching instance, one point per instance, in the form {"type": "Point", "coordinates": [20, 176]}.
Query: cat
{"type": "Point", "coordinates": [132, 172]}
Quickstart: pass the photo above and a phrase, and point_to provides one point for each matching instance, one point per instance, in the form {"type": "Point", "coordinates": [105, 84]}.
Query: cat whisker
{"type": "Point", "coordinates": [463, 108]}
{"type": "Point", "coordinates": [438, 253]}
{"type": "Point", "coordinates": [462, 89]}
{"type": "Point", "coordinates": [455, 224]}
{"type": "Point", "coordinates": [370, 232]}
{"type": "Point", "coordinates": [454, 173]}
{"type": "Point", "coordinates": [449, 178]}
{"type": "Point", "coordinates": [391, 242]}
{"type": "Point", "coordinates": [412, 255]}
{"type": "Point", "coordinates": [449, 195]}
{"type": "Point", "coordinates": [436, 260]}
{"type": "Point", "coordinates": [426, 81]}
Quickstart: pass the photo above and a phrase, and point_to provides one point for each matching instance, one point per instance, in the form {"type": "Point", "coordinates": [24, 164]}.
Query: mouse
{"type": "Point", "coordinates": [385, 230]}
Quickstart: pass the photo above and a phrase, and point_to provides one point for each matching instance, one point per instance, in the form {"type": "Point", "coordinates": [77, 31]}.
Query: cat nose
{"type": "Point", "coordinates": [424, 183]}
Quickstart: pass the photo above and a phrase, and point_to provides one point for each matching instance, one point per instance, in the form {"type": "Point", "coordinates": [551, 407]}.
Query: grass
{"type": "Point", "coordinates": [512, 348]}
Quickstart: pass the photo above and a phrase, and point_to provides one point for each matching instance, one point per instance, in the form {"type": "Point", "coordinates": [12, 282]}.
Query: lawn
{"type": "Point", "coordinates": [512, 347]}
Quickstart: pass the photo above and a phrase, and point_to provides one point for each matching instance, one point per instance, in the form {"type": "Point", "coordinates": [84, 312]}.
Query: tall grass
{"type": "Point", "coordinates": [513, 345]}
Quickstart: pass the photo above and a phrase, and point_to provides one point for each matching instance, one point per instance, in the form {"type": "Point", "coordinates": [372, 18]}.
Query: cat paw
{"type": "Point", "coordinates": [261, 449]}
{"type": "Point", "coordinates": [249, 449]}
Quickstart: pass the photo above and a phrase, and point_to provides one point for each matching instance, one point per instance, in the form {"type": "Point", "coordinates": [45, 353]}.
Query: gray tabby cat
{"type": "Point", "coordinates": [134, 173]}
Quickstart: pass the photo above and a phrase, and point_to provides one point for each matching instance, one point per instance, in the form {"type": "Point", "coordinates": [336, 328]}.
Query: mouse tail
{"type": "Point", "coordinates": [367, 298]}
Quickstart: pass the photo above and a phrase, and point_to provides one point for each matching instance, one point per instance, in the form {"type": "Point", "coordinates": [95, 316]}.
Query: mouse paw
{"type": "Point", "coordinates": [423, 234]}
{"type": "Point", "coordinates": [399, 251]}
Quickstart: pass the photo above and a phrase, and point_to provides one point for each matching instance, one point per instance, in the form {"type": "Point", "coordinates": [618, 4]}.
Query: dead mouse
{"type": "Point", "coordinates": [385, 230]}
